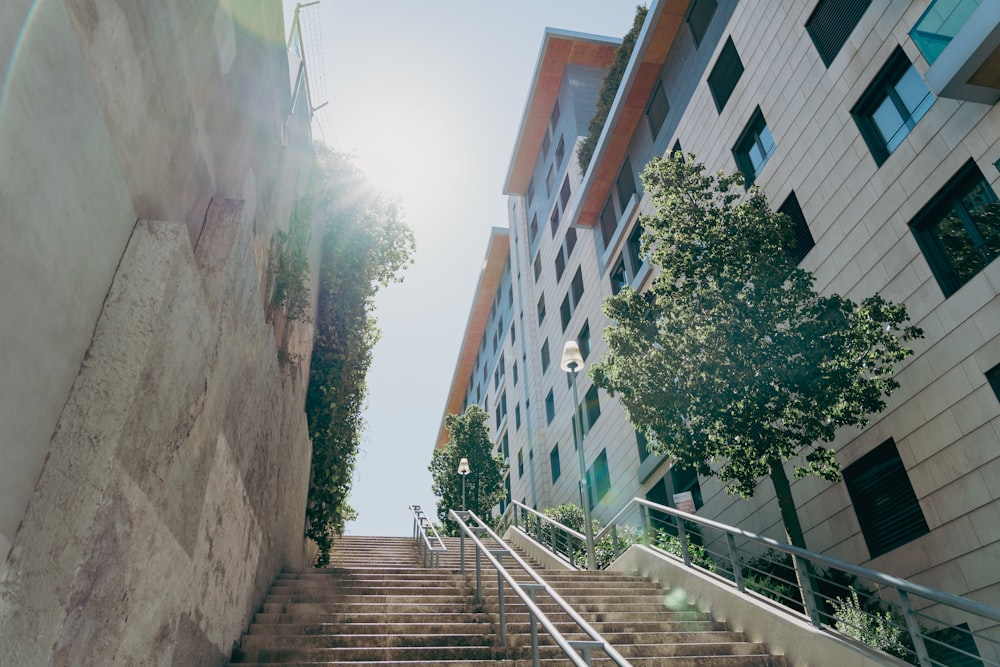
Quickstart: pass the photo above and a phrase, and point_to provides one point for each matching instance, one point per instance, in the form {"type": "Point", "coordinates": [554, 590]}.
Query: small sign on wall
{"type": "Point", "coordinates": [684, 501]}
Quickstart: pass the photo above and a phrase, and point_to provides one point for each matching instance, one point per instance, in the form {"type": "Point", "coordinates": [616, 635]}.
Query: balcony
{"type": "Point", "coordinates": [961, 41]}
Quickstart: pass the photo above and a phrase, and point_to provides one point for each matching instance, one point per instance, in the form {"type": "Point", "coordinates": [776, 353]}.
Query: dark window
{"type": "Point", "coordinates": [609, 222]}
{"type": "Point", "coordinates": [993, 376]}
{"type": "Point", "coordinates": [550, 181]}
{"type": "Point", "coordinates": [520, 462]}
{"type": "Point", "coordinates": [625, 185]}
{"type": "Point", "coordinates": [514, 370]}
{"type": "Point", "coordinates": [538, 266]}
{"type": "Point", "coordinates": [550, 407]}
{"type": "Point", "coordinates": [754, 147]}
{"type": "Point", "coordinates": [530, 194]}
{"type": "Point", "coordinates": [725, 74]}
{"type": "Point", "coordinates": [583, 340]}
{"type": "Point", "coordinates": [803, 241]}
{"type": "Point", "coordinates": [517, 416]}
{"type": "Point", "coordinates": [554, 463]}
{"type": "Point", "coordinates": [657, 109]}
{"type": "Point", "coordinates": [565, 311]}
{"type": "Point", "coordinates": [560, 265]}
{"type": "Point", "coordinates": [676, 151]}
{"type": "Point", "coordinates": [618, 277]}
{"type": "Point", "coordinates": [546, 144]}
{"type": "Point", "coordinates": [560, 151]}
{"type": "Point", "coordinates": [554, 220]}
{"type": "Point", "coordinates": [699, 16]}
{"type": "Point", "coordinates": [598, 479]}
{"type": "Point", "coordinates": [501, 410]}
{"type": "Point", "coordinates": [576, 288]}
{"type": "Point", "coordinates": [634, 248]}
{"type": "Point", "coordinates": [684, 480]}
{"type": "Point", "coordinates": [831, 23]}
{"type": "Point", "coordinates": [959, 230]}
{"type": "Point", "coordinates": [891, 106]}
{"type": "Point", "coordinates": [883, 499]}
{"type": "Point", "coordinates": [570, 240]}
{"type": "Point", "coordinates": [593, 407]}
{"type": "Point", "coordinates": [513, 338]}
{"type": "Point", "coordinates": [554, 120]}
{"type": "Point", "coordinates": [505, 446]}
{"type": "Point", "coordinates": [545, 355]}
{"type": "Point", "coordinates": [642, 444]}
{"type": "Point", "coordinates": [541, 308]}
{"type": "Point", "coordinates": [564, 193]}
{"type": "Point", "coordinates": [533, 227]}
{"type": "Point", "coordinates": [954, 646]}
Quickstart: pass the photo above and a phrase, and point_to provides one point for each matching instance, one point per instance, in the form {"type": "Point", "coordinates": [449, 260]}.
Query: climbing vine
{"type": "Point", "coordinates": [365, 246]}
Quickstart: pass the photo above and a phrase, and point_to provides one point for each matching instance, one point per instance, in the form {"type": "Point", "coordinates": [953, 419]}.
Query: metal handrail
{"type": "Point", "coordinates": [429, 543]}
{"type": "Point", "coordinates": [806, 562]}
{"type": "Point", "coordinates": [554, 529]}
{"type": "Point", "coordinates": [527, 595]}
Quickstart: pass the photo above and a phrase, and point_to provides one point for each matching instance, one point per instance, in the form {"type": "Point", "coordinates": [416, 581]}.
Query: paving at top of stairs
{"type": "Point", "coordinates": [375, 604]}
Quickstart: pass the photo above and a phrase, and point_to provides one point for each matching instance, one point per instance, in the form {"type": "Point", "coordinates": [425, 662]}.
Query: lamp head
{"type": "Point", "coordinates": [572, 360]}
{"type": "Point", "coordinates": [463, 466]}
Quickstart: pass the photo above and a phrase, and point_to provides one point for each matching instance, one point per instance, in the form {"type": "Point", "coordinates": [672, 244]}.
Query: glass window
{"type": "Point", "coordinates": [560, 265]}
{"type": "Point", "coordinates": [754, 147]}
{"type": "Point", "coordinates": [891, 106]}
{"type": "Point", "coordinates": [625, 184]}
{"type": "Point", "coordinates": [598, 479]}
{"type": "Point", "coordinates": [618, 277]}
{"type": "Point", "coordinates": [609, 222]}
{"type": "Point", "coordinates": [993, 377]}
{"type": "Point", "coordinates": [959, 230]}
{"type": "Point", "coordinates": [725, 74]}
{"type": "Point", "coordinates": [570, 240]}
{"type": "Point", "coordinates": [565, 311]}
{"type": "Point", "coordinates": [564, 193]}
{"type": "Point", "coordinates": [554, 463]}
{"type": "Point", "coordinates": [541, 308]}
{"type": "Point", "coordinates": [550, 407]}
{"type": "Point", "coordinates": [545, 355]}
{"type": "Point", "coordinates": [554, 220]}
{"type": "Point", "coordinates": [699, 16]}
{"type": "Point", "coordinates": [560, 151]}
{"type": "Point", "coordinates": [583, 340]}
{"type": "Point", "coordinates": [803, 241]}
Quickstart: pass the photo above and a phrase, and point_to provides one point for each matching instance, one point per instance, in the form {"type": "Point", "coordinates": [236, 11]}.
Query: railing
{"type": "Point", "coordinates": [562, 542]}
{"type": "Point", "coordinates": [939, 24]}
{"type": "Point", "coordinates": [527, 593]}
{"type": "Point", "coordinates": [920, 625]}
{"type": "Point", "coordinates": [429, 543]}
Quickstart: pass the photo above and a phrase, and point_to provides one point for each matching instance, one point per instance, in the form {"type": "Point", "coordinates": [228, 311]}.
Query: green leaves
{"type": "Point", "coordinates": [731, 361]}
{"type": "Point", "coordinates": [469, 438]}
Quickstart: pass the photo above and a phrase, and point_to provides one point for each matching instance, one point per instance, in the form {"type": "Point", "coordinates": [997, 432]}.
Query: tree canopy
{"type": "Point", "coordinates": [469, 437]}
{"type": "Point", "coordinates": [731, 362]}
{"type": "Point", "coordinates": [365, 246]}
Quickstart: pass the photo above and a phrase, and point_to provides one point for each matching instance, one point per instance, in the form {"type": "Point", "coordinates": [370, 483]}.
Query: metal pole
{"type": "Point", "coordinates": [463, 493]}
{"type": "Point", "coordinates": [534, 631]}
{"type": "Point", "coordinates": [588, 528]}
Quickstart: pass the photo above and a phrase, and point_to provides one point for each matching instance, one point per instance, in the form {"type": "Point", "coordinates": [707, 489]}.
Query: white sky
{"type": "Point", "coordinates": [429, 95]}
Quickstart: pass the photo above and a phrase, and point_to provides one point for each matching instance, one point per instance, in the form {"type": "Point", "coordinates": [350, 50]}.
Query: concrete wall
{"type": "Point", "coordinates": [154, 457]}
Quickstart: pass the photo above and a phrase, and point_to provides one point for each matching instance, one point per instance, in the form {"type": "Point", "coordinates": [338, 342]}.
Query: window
{"type": "Point", "coordinates": [501, 410]}
{"type": "Point", "coordinates": [533, 227]}
{"type": "Point", "coordinates": [993, 377]}
{"type": "Point", "coordinates": [517, 416]}
{"type": "Point", "coordinates": [570, 240]}
{"type": "Point", "coordinates": [609, 222]}
{"type": "Point", "coordinates": [618, 277]}
{"type": "Point", "coordinates": [541, 308]}
{"type": "Point", "coordinates": [545, 355]}
{"type": "Point", "coordinates": [505, 446]}
{"type": "Point", "coordinates": [583, 340]}
{"type": "Point", "coordinates": [883, 500]}
{"type": "Point", "coordinates": [554, 463]}
{"type": "Point", "coordinates": [514, 372]}
{"type": "Point", "coordinates": [699, 16]}
{"type": "Point", "coordinates": [803, 241]}
{"type": "Point", "coordinates": [657, 109]}
{"type": "Point", "coordinates": [959, 229]}
{"type": "Point", "coordinates": [572, 299]}
{"type": "Point", "coordinates": [546, 144]}
{"type": "Point", "coordinates": [550, 181]}
{"type": "Point", "coordinates": [642, 444]}
{"type": "Point", "coordinates": [550, 407]}
{"type": "Point", "coordinates": [513, 339]}
{"type": "Point", "coordinates": [560, 265]}
{"type": "Point", "coordinates": [538, 266]}
{"type": "Point", "coordinates": [520, 462]}
{"type": "Point", "coordinates": [625, 185]}
{"type": "Point", "coordinates": [754, 147]}
{"type": "Point", "coordinates": [686, 480]}
{"type": "Point", "coordinates": [530, 194]}
{"type": "Point", "coordinates": [593, 407]}
{"type": "Point", "coordinates": [554, 119]}
{"type": "Point", "coordinates": [554, 220]}
{"type": "Point", "coordinates": [576, 288]}
{"type": "Point", "coordinates": [564, 193]}
{"type": "Point", "coordinates": [634, 248]}
{"type": "Point", "coordinates": [565, 311]}
{"type": "Point", "coordinates": [725, 74]}
{"type": "Point", "coordinates": [560, 151]}
{"type": "Point", "coordinates": [891, 106]}
{"type": "Point", "coordinates": [831, 23]}
{"type": "Point", "coordinates": [598, 479]}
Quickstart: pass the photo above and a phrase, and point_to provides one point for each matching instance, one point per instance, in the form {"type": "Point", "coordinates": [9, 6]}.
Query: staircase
{"type": "Point", "coordinates": [376, 605]}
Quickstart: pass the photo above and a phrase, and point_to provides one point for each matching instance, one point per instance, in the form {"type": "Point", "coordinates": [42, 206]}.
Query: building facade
{"type": "Point", "coordinates": [874, 126]}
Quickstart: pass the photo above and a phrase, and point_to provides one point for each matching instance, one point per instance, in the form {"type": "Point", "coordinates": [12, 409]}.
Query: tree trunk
{"type": "Point", "coordinates": [793, 532]}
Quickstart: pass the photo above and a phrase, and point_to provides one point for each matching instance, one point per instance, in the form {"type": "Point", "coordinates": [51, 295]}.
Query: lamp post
{"type": "Point", "coordinates": [463, 470]}
{"type": "Point", "coordinates": [572, 363]}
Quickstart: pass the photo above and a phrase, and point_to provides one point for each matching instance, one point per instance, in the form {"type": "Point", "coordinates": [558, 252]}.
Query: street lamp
{"type": "Point", "coordinates": [463, 470]}
{"type": "Point", "coordinates": [572, 363]}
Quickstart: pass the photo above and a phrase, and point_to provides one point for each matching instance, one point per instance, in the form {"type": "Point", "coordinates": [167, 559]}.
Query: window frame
{"type": "Point", "coordinates": [703, 20]}
{"type": "Point", "coordinates": [658, 106]}
{"type": "Point", "coordinates": [825, 11]}
{"type": "Point", "coordinates": [554, 464]}
{"type": "Point", "coordinates": [725, 74]}
{"type": "Point", "coordinates": [751, 138]}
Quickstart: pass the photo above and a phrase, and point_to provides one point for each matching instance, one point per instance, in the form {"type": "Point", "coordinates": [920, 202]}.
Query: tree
{"type": "Point", "coordinates": [365, 246]}
{"type": "Point", "coordinates": [469, 437]}
{"type": "Point", "coordinates": [731, 362]}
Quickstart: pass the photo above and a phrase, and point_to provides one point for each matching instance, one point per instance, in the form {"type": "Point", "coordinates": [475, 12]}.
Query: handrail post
{"type": "Point", "coordinates": [534, 630]}
{"type": "Point", "coordinates": [614, 539]}
{"type": "Point", "coordinates": [914, 627]}
{"type": "Point", "coordinates": [646, 536]}
{"type": "Point", "coordinates": [479, 580]}
{"type": "Point", "coordinates": [461, 559]}
{"type": "Point", "coordinates": [737, 572]}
